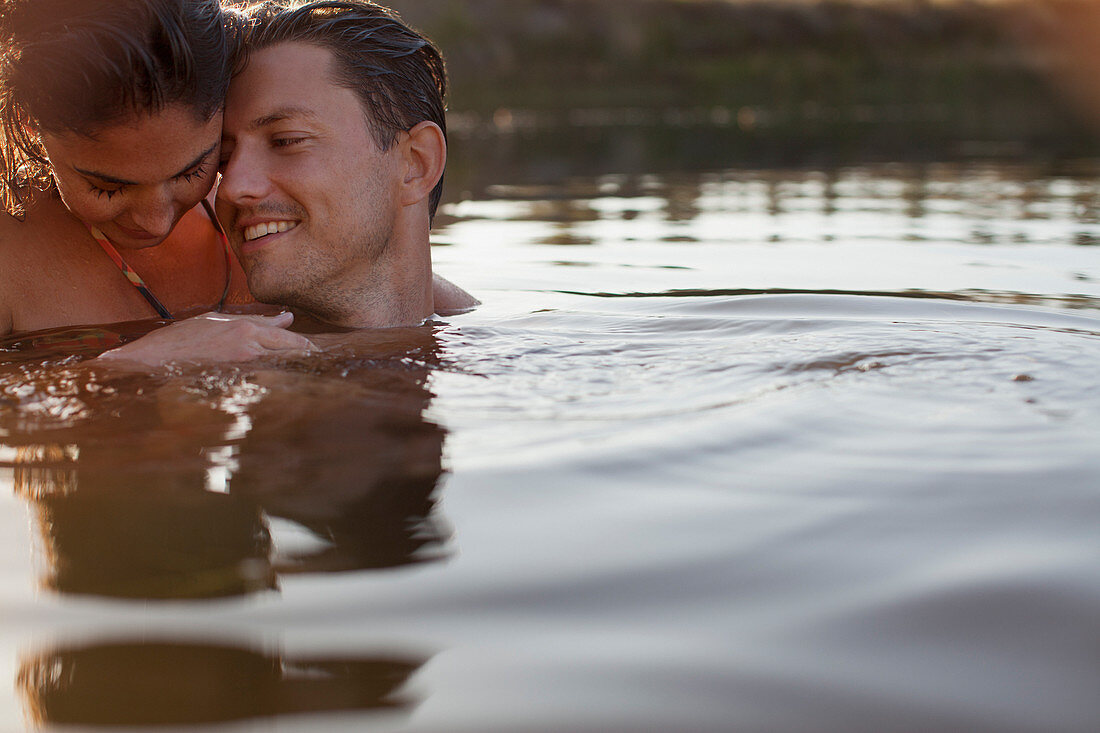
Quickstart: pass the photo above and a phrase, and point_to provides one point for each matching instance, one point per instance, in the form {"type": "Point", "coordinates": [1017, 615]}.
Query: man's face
{"type": "Point", "coordinates": [307, 197]}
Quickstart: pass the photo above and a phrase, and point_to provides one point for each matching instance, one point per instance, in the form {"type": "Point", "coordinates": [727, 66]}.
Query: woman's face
{"type": "Point", "coordinates": [135, 179]}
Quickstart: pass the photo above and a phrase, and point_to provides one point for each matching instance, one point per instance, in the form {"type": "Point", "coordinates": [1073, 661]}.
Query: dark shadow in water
{"type": "Point", "coordinates": [178, 683]}
{"type": "Point", "coordinates": [71, 341]}
{"type": "Point", "coordinates": [134, 544]}
{"type": "Point", "coordinates": [164, 488]}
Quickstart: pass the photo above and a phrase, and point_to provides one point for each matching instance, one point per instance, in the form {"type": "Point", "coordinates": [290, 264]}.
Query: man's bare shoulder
{"type": "Point", "coordinates": [450, 299]}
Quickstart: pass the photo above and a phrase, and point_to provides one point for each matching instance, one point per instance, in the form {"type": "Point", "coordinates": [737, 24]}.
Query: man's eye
{"type": "Point", "coordinates": [283, 142]}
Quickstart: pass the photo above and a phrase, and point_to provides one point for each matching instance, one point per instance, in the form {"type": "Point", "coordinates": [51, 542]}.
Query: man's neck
{"type": "Point", "coordinates": [395, 291]}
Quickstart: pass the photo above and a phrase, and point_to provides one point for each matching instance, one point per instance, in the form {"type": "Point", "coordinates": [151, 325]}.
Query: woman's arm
{"type": "Point", "coordinates": [212, 338]}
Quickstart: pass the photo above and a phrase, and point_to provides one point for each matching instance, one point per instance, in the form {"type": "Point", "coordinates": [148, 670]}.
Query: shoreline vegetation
{"type": "Point", "coordinates": [973, 76]}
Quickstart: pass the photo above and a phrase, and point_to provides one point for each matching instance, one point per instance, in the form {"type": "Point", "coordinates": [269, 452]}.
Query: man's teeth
{"type": "Point", "coordinates": [268, 227]}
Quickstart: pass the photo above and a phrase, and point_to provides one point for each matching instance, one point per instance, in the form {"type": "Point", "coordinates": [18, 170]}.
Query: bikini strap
{"type": "Point", "coordinates": [137, 282]}
{"type": "Point", "coordinates": [129, 272]}
{"type": "Point", "coordinates": [228, 252]}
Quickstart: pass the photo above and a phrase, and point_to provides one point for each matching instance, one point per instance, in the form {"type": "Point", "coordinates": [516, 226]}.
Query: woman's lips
{"type": "Point", "coordinates": [136, 233]}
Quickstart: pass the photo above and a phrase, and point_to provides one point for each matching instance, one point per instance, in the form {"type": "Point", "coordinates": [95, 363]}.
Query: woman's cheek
{"type": "Point", "coordinates": [85, 205]}
{"type": "Point", "coordinates": [198, 189]}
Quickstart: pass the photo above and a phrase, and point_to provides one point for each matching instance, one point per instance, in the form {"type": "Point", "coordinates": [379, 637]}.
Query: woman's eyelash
{"type": "Point", "coordinates": [192, 175]}
{"type": "Point", "coordinates": [185, 177]}
{"type": "Point", "coordinates": [101, 192]}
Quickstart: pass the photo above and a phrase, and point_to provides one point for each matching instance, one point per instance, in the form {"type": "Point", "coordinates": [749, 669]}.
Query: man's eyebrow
{"type": "Point", "coordinates": [123, 182]}
{"type": "Point", "coordinates": [280, 114]}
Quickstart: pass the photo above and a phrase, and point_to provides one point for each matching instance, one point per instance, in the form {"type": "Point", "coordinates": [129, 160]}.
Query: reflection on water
{"type": "Point", "coordinates": [148, 544]}
{"type": "Point", "coordinates": [966, 203]}
{"type": "Point", "coordinates": [167, 489]}
{"type": "Point", "coordinates": [176, 683]}
{"type": "Point", "coordinates": [706, 471]}
{"type": "Point", "coordinates": [1000, 233]}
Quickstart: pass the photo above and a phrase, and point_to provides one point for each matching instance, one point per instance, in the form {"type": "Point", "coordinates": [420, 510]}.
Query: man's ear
{"type": "Point", "coordinates": [424, 151]}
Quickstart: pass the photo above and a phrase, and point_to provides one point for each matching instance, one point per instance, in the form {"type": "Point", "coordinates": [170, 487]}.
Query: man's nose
{"type": "Point", "coordinates": [243, 179]}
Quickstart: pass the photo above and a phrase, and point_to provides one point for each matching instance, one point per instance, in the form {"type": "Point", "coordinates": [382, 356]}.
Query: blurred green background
{"type": "Point", "coordinates": [698, 83]}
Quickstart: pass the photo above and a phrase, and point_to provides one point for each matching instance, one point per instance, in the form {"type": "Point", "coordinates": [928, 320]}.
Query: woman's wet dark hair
{"type": "Point", "coordinates": [76, 66]}
{"type": "Point", "coordinates": [398, 74]}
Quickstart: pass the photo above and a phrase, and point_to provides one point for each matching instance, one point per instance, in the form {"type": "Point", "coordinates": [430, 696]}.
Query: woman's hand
{"type": "Point", "coordinates": [213, 338]}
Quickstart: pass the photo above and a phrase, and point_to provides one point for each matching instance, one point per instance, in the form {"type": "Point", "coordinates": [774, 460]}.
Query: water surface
{"type": "Point", "coordinates": [732, 449]}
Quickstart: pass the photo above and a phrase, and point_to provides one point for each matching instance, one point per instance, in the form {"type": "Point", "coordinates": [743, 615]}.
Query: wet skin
{"type": "Point", "coordinates": [348, 221]}
{"type": "Point", "coordinates": [140, 181]}
{"type": "Point", "coordinates": [323, 218]}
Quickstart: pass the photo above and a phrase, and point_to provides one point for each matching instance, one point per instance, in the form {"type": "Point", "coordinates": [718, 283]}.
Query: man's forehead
{"type": "Point", "coordinates": [289, 80]}
{"type": "Point", "coordinates": [281, 113]}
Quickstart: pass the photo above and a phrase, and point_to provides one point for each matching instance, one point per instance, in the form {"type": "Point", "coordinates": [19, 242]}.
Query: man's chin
{"type": "Point", "coordinates": [266, 289]}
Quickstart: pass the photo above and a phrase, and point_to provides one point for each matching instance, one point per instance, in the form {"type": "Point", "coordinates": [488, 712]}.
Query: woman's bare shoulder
{"type": "Point", "coordinates": [10, 249]}
{"type": "Point", "coordinates": [32, 252]}
{"type": "Point", "coordinates": [29, 237]}
{"type": "Point", "coordinates": [10, 228]}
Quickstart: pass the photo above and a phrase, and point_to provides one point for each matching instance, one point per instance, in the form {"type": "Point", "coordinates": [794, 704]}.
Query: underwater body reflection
{"type": "Point", "coordinates": [211, 484]}
{"type": "Point", "coordinates": [177, 683]}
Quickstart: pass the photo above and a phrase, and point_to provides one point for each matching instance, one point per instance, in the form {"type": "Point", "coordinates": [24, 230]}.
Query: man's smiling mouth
{"type": "Point", "coordinates": [268, 227]}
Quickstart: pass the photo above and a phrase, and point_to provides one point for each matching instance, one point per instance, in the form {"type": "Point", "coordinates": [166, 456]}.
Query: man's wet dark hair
{"type": "Point", "coordinates": [398, 74]}
{"type": "Point", "coordinates": [77, 66]}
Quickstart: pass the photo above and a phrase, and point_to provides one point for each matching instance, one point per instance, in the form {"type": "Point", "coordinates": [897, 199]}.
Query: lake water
{"type": "Point", "coordinates": [725, 448]}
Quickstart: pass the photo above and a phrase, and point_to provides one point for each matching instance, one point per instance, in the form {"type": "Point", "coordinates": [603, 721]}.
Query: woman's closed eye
{"type": "Point", "coordinates": [101, 192]}
{"type": "Point", "coordinates": [198, 171]}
